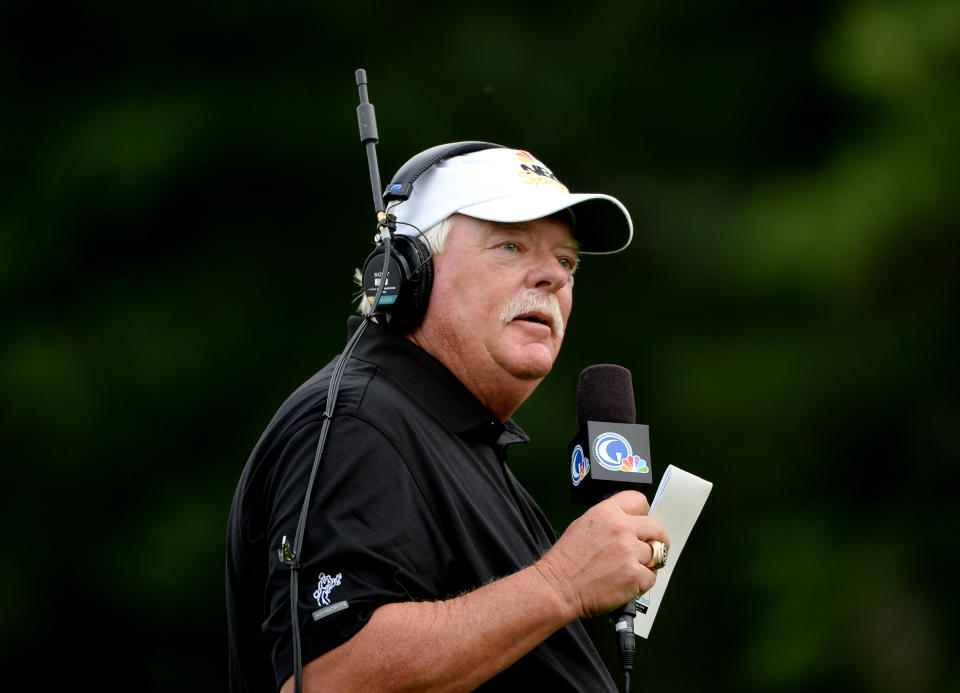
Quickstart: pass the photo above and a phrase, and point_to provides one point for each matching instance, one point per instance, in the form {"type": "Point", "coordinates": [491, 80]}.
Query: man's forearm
{"type": "Point", "coordinates": [598, 564]}
{"type": "Point", "coordinates": [450, 645]}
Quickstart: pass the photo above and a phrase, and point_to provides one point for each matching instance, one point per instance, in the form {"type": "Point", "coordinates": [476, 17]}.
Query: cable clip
{"type": "Point", "coordinates": [286, 555]}
{"type": "Point", "coordinates": [385, 223]}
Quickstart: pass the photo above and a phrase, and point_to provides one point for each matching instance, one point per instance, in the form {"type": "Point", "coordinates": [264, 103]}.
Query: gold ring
{"type": "Point", "coordinates": [659, 555]}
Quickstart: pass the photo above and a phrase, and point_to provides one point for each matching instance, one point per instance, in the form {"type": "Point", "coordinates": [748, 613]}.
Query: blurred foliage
{"type": "Point", "coordinates": [184, 198]}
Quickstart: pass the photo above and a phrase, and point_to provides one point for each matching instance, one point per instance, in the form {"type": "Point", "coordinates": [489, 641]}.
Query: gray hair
{"type": "Point", "coordinates": [435, 238]}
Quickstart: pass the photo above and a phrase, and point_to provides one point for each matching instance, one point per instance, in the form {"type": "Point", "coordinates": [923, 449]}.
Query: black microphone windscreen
{"type": "Point", "coordinates": [606, 394]}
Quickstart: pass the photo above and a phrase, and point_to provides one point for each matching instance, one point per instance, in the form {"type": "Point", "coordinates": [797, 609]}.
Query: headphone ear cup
{"type": "Point", "coordinates": [410, 278]}
{"type": "Point", "coordinates": [418, 285]}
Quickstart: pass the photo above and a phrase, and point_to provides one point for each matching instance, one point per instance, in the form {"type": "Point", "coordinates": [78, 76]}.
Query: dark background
{"type": "Point", "coordinates": [184, 197]}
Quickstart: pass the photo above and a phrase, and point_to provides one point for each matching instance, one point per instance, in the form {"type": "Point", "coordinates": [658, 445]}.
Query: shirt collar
{"type": "Point", "coordinates": [432, 384]}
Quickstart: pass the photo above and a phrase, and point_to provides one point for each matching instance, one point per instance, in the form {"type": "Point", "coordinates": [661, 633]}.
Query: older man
{"type": "Point", "coordinates": [427, 566]}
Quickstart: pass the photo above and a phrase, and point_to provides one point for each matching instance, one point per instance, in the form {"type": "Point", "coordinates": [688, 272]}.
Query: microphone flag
{"type": "Point", "coordinates": [610, 452]}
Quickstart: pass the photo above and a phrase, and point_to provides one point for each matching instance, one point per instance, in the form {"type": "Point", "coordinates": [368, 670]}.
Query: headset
{"type": "Point", "coordinates": [406, 290]}
{"type": "Point", "coordinates": [396, 278]}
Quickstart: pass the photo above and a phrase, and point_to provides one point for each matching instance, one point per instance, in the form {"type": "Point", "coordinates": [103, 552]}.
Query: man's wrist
{"type": "Point", "coordinates": [556, 578]}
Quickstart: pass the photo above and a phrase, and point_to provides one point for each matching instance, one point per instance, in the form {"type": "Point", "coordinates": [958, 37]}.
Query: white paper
{"type": "Point", "coordinates": [677, 505]}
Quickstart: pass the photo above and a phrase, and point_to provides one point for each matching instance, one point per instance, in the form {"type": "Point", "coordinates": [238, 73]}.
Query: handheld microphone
{"type": "Point", "coordinates": [610, 453]}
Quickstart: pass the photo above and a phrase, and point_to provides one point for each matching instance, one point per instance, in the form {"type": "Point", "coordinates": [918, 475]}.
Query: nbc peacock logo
{"type": "Point", "coordinates": [612, 451]}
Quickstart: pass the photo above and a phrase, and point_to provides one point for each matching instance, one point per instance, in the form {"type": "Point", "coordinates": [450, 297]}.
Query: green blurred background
{"type": "Point", "coordinates": [184, 197]}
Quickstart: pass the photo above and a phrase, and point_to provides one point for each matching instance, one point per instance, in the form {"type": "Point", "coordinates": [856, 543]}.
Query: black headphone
{"type": "Point", "coordinates": [406, 292]}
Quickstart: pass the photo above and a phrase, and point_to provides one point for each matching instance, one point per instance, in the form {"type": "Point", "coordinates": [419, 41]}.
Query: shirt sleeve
{"type": "Point", "coordinates": [371, 539]}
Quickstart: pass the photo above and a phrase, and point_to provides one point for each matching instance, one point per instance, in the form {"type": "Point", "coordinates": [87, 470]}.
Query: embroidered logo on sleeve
{"type": "Point", "coordinates": [324, 586]}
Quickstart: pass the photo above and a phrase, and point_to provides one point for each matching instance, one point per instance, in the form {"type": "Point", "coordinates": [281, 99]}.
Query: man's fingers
{"type": "Point", "coordinates": [631, 502]}
{"type": "Point", "coordinates": [635, 503]}
{"type": "Point", "coordinates": [648, 529]}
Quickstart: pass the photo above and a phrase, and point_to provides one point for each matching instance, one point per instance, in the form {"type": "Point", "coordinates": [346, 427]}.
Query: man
{"type": "Point", "coordinates": [426, 565]}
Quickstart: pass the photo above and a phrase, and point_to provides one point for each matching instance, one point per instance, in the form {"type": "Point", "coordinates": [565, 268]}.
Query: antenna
{"type": "Point", "coordinates": [290, 556]}
{"type": "Point", "coordinates": [367, 119]}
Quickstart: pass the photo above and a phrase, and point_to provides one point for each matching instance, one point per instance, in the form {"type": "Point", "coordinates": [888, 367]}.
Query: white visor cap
{"type": "Point", "coordinates": [510, 185]}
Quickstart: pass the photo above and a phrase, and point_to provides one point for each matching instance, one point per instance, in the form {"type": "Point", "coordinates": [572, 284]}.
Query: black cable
{"type": "Point", "coordinates": [332, 392]}
{"type": "Point", "coordinates": [426, 241]}
{"type": "Point", "coordinates": [627, 640]}
{"type": "Point", "coordinates": [290, 556]}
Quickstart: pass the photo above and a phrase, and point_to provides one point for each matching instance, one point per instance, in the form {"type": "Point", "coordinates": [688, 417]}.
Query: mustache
{"type": "Point", "coordinates": [535, 301]}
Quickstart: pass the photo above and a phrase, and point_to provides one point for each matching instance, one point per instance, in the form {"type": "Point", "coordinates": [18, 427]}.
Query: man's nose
{"type": "Point", "coordinates": [547, 273]}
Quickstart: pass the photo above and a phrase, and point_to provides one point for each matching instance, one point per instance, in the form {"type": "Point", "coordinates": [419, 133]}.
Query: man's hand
{"type": "Point", "coordinates": [600, 562]}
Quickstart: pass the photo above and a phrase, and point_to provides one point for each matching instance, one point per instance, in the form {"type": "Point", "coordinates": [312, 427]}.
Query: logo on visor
{"type": "Point", "coordinates": [613, 452]}
{"type": "Point", "coordinates": [535, 173]}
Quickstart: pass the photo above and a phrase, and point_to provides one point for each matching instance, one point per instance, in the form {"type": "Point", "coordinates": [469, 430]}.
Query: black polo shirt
{"type": "Point", "coordinates": [412, 502]}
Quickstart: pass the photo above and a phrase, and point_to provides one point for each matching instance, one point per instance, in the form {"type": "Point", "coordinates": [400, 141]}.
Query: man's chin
{"type": "Point", "coordinates": [530, 362]}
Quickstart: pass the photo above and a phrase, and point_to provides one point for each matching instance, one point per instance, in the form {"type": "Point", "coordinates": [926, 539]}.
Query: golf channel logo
{"type": "Point", "coordinates": [579, 466]}
{"type": "Point", "coordinates": [612, 451]}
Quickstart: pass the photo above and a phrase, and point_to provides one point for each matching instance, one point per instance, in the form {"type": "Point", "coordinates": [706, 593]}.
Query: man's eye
{"type": "Point", "coordinates": [567, 263]}
{"type": "Point", "coordinates": [511, 247]}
